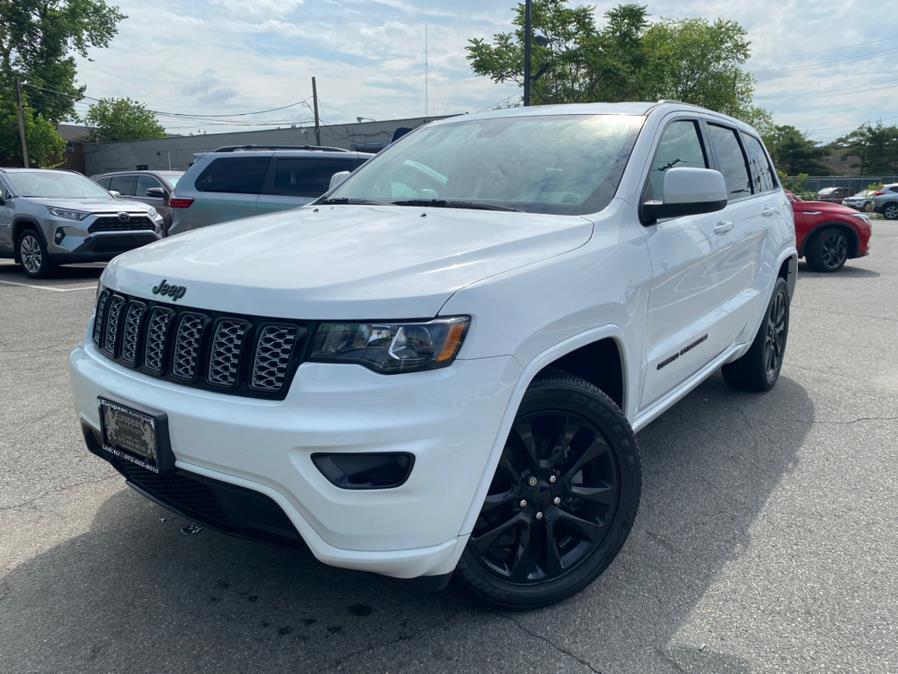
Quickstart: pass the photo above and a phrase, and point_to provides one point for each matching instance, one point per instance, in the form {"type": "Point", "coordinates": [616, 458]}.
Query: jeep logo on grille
{"type": "Point", "coordinates": [167, 289]}
{"type": "Point", "coordinates": [123, 217]}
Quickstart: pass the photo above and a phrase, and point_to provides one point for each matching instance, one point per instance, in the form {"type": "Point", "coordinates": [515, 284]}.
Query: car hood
{"type": "Point", "coordinates": [825, 206]}
{"type": "Point", "coordinates": [349, 262]}
{"type": "Point", "coordinates": [93, 205]}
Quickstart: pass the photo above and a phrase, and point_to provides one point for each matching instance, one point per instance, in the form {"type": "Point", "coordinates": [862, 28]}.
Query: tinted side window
{"type": "Point", "coordinates": [680, 146]}
{"type": "Point", "coordinates": [762, 178]}
{"type": "Point", "coordinates": [144, 183]}
{"type": "Point", "coordinates": [243, 175]}
{"type": "Point", "coordinates": [732, 161]}
{"type": "Point", "coordinates": [122, 184]}
{"type": "Point", "coordinates": [307, 177]}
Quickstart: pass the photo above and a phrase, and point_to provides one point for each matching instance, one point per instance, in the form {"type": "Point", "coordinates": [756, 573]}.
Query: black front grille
{"type": "Point", "coordinates": [237, 354]}
{"type": "Point", "coordinates": [112, 223]}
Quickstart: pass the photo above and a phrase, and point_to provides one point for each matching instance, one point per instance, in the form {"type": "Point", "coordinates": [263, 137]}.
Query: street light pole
{"type": "Point", "coordinates": [528, 38]}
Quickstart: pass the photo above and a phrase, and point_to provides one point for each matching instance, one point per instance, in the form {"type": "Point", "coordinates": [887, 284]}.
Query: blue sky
{"type": "Point", "coordinates": [824, 66]}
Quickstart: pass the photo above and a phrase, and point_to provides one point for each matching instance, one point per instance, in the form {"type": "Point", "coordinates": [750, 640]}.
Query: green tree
{"type": "Point", "coordinates": [876, 145]}
{"type": "Point", "coordinates": [39, 40]}
{"type": "Point", "coordinates": [629, 58]}
{"type": "Point", "coordinates": [121, 119]}
{"type": "Point", "coordinates": [45, 146]}
{"type": "Point", "coordinates": [794, 153]}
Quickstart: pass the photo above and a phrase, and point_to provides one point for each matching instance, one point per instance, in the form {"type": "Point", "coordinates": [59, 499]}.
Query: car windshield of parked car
{"type": "Point", "coordinates": [172, 177]}
{"type": "Point", "coordinates": [565, 164]}
{"type": "Point", "coordinates": [55, 185]}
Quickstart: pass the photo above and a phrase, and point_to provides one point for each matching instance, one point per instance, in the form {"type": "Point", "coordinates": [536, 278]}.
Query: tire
{"type": "Point", "coordinates": [31, 252]}
{"type": "Point", "coordinates": [759, 369]}
{"type": "Point", "coordinates": [562, 501]}
{"type": "Point", "coordinates": [828, 250]}
{"type": "Point", "coordinates": [890, 211]}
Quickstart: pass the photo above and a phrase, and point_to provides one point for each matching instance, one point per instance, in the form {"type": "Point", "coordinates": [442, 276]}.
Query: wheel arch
{"type": "Point", "coordinates": [20, 224]}
{"type": "Point", "coordinates": [853, 238]}
{"type": "Point", "coordinates": [577, 348]}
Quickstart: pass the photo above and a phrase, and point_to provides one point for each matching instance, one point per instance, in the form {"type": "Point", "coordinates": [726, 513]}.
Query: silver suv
{"type": "Point", "coordinates": [240, 181]}
{"type": "Point", "coordinates": [885, 201]}
{"type": "Point", "coordinates": [56, 217]}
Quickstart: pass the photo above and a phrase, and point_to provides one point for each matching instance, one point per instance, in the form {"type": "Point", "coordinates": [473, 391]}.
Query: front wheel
{"type": "Point", "coordinates": [828, 250]}
{"type": "Point", "coordinates": [32, 254]}
{"type": "Point", "coordinates": [759, 368]}
{"type": "Point", "coordinates": [562, 501]}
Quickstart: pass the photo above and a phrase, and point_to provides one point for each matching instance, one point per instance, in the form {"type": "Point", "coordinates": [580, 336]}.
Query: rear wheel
{"type": "Point", "coordinates": [32, 254]}
{"type": "Point", "coordinates": [890, 211]}
{"type": "Point", "coordinates": [562, 501]}
{"type": "Point", "coordinates": [828, 250]}
{"type": "Point", "coordinates": [759, 368]}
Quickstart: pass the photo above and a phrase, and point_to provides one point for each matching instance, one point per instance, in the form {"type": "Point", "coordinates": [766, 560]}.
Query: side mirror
{"type": "Point", "coordinates": [156, 192]}
{"type": "Point", "coordinates": [687, 191]}
{"type": "Point", "coordinates": [338, 179]}
{"type": "Point", "coordinates": [115, 194]}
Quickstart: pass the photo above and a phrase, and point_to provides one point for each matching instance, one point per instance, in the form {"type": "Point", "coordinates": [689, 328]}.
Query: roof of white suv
{"type": "Point", "coordinates": [639, 108]}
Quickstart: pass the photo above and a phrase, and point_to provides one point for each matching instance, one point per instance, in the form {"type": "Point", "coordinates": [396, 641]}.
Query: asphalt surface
{"type": "Point", "coordinates": [766, 540]}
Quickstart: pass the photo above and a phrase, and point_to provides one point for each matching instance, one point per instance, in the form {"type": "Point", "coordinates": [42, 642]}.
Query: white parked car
{"type": "Point", "coordinates": [440, 365]}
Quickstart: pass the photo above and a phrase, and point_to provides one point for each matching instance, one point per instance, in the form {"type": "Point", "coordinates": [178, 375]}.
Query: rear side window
{"type": "Point", "coordinates": [308, 177]}
{"type": "Point", "coordinates": [681, 147]}
{"type": "Point", "coordinates": [762, 178]}
{"type": "Point", "coordinates": [144, 183]}
{"type": "Point", "coordinates": [242, 175]}
{"type": "Point", "coordinates": [122, 184]}
{"type": "Point", "coordinates": [732, 161]}
{"type": "Point", "coordinates": [103, 182]}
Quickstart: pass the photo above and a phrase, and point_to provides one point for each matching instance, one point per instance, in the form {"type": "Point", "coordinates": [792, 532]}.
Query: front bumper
{"type": "Point", "coordinates": [449, 419]}
{"type": "Point", "coordinates": [78, 245]}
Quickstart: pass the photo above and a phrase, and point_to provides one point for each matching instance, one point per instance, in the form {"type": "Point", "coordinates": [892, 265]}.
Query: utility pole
{"type": "Point", "coordinates": [315, 110]}
{"type": "Point", "coordinates": [21, 123]}
{"type": "Point", "coordinates": [528, 38]}
{"type": "Point", "coordinates": [426, 72]}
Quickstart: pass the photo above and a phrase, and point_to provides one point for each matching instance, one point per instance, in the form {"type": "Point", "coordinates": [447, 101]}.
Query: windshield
{"type": "Point", "coordinates": [567, 164]}
{"type": "Point", "coordinates": [171, 177]}
{"type": "Point", "coordinates": [55, 185]}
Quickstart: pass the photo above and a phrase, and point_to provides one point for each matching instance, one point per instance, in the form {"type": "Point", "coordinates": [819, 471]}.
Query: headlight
{"type": "Point", "coordinates": [390, 348]}
{"type": "Point", "coordinates": [153, 213]}
{"type": "Point", "coordinates": [68, 213]}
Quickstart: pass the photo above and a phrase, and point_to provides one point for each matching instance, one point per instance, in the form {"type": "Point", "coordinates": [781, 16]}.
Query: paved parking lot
{"type": "Point", "coordinates": [766, 539]}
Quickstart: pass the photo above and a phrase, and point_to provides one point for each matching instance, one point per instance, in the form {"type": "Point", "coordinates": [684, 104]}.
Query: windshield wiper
{"type": "Point", "coordinates": [352, 202]}
{"type": "Point", "coordinates": [453, 203]}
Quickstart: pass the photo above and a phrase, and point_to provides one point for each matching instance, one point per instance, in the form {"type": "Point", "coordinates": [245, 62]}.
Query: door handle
{"type": "Point", "coordinates": [723, 226]}
{"type": "Point", "coordinates": [769, 212]}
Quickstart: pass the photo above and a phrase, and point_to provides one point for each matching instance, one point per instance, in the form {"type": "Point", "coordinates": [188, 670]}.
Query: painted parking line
{"type": "Point", "coordinates": [50, 288]}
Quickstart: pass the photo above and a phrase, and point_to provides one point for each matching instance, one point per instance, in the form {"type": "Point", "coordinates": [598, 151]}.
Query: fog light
{"type": "Point", "coordinates": [365, 470]}
{"type": "Point", "coordinates": [59, 235]}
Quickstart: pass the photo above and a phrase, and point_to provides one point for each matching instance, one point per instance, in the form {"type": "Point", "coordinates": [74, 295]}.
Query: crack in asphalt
{"type": "Point", "coordinates": [561, 649]}
{"type": "Point", "coordinates": [55, 490]}
{"type": "Point", "coordinates": [845, 313]}
{"type": "Point", "coordinates": [668, 658]}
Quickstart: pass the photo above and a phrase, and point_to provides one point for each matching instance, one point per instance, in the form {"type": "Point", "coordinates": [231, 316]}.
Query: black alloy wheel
{"type": "Point", "coordinates": [562, 499]}
{"type": "Point", "coordinates": [775, 335]}
{"type": "Point", "coordinates": [828, 250]}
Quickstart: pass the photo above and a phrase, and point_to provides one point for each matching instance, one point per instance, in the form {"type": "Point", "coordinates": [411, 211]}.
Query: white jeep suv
{"type": "Point", "coordinates": [439, 366]}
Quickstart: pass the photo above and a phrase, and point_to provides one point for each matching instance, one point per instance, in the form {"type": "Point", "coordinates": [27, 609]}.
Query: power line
{"type": "Point", "coordinates": [835, 92]}
{"type": "Point", "coordinates": [829, 49]}
{"type": "Point", "coordinates": [823, 64]}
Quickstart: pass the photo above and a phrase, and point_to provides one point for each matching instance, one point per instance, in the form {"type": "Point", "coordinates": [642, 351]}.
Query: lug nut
{"type": "Point", "coordinates": [523, 503]}
{"type": "Point", "coordinates": [553, 479]}
{"type": "Point", "coordinates": [532, 481]}
{"type": "Point", "coordinates": [556, 500]}
{"type": "Point", "coordinates": [539, 516]}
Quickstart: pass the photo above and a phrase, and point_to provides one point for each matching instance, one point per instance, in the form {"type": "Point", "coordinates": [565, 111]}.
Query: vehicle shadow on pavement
{"type": "Point", "coordinates": [134, 592]}
{"type": "Point", "coordinates": [849, 271]}
{"type": "Point", "coordinates": [13, 272]}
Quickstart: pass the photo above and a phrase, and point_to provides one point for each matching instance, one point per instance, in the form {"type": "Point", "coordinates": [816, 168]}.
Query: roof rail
{"type": "Point", "coordinates": [320, 148]}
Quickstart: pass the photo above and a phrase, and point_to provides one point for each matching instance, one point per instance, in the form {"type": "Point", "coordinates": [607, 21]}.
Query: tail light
{"type": "Point", "coordinates": [878, 194]}
{"type": "Point", "coordinates": [175, 202]}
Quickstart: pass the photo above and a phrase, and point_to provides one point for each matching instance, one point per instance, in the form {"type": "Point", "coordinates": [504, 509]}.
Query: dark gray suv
{"type": "Point", "coordinates": [50, 217]}
{"type": "Point", "coordinates": [241, 181]}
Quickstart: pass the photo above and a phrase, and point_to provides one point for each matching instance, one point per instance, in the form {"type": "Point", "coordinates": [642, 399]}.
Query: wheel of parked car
{"type": "Point", "coordinates": [759, 368]}
{"type": "Point", "coordinates": [32, 254]}
{"type": "Point", "coordinates": [890, 211]}
{"type": "Point", "coordinates": [827, 251]}
{"type": "Point", "coordinates": [562, 501]}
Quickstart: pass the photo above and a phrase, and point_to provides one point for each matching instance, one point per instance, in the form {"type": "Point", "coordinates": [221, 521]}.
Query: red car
{"type": "Point", "coordinates": [828, 234]}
